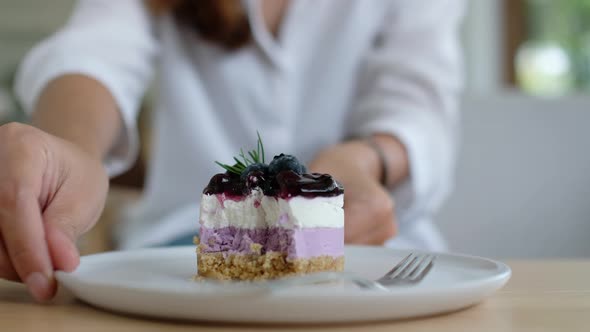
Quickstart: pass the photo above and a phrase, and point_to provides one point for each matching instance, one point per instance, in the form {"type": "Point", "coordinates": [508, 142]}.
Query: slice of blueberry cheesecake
{"type": "Point", "coordinates": [261, 221]}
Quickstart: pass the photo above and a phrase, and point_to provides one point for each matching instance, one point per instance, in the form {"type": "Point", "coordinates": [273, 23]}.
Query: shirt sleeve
{"type": "Point", "coordinates": [409, 87]}
{"type": "Point", "coordinates": [110, 41]}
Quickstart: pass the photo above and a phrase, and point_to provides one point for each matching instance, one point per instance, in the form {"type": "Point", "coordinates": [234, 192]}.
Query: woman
{"type": "Point", "coordinates": [364, 90]}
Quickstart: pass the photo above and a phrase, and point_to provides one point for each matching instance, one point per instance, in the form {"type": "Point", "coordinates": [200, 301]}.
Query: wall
{"type": "Point", "coordinates": [24, 22]}
{"type": "Point", "coordinates": [523, 179]}
{"type": "Point", "coordinates": [483, 42]}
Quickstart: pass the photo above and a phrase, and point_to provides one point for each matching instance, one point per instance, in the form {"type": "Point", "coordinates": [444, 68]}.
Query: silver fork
{"type": "Point", "coordinates": [410, 270]}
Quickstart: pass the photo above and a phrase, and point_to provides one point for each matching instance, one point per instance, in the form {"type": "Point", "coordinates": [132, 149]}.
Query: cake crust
{"type": "Point", "coordinates": [270, 265]}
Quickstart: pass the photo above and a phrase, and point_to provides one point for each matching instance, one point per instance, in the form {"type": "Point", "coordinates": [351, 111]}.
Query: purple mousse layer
{"type": "Point", "coordinates": [297, 243]}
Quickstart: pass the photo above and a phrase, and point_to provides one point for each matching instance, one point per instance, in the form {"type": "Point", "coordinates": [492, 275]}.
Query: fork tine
{"type": "Point", "coordinates": [398, 266]}
{"type": "Point", "coordinates": [415, 265]}
{"type": "Point", "coordinates": [421, 271]}
{"type": "Point", "coordinates": [407, 267]}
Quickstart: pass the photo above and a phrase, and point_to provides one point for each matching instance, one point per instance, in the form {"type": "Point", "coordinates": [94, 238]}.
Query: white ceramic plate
{"type": "Point", "coordinates": [158, 283]}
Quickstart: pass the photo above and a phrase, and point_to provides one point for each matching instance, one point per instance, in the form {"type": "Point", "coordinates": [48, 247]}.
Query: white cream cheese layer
{"type": "Point", "coordinates": [217, 211]}
{"type": "Point", "coordinates": [301, 212]}
{"type": "Point", "coordinates": [258, 211]}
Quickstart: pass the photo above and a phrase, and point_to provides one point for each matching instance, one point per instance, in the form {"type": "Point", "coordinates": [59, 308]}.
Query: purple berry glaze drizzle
{"type": "Point", "coordinates": [284, 185]}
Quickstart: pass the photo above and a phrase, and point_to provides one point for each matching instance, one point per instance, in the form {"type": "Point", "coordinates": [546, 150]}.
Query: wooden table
{"type": "Point", "coordinates": [541, 296]}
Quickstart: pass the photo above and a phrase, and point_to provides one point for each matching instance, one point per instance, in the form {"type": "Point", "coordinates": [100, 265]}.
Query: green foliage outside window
{"type": "Point", "coordinates": [556, 56]}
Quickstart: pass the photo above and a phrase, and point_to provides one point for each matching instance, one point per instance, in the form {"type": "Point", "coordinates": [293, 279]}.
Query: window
{"type": "Point", "coordinates": [548, 45]}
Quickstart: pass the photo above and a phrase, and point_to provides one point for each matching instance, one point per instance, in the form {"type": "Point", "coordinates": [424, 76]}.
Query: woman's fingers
{"type": "Point", "coordinates": [369, 216]}
{"type": "Point", "coordinates": [62, 247]}
{"type": "Point", "coordinates": [6, 270]}
{"type": "Point", "coordinates": [362, 229]}
{"type": "Point", "coordinates": [378, 234]}
{"type": "Point", "coordinates": [23, 159]}
{"type": "Point", "coordinates": [51, 191]}
{"type": "Point", "coordinates": [24, 239]}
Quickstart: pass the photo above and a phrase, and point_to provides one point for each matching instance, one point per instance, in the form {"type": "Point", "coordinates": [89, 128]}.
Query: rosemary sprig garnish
{"type": "Point", "coordinates": [238, 161]}
{"type": "Point", "coordinates": [233, 169]}
{"type": "Point", "coordinates": [247, 159]}
{"type": "Point", "coordinates": [260, 147]}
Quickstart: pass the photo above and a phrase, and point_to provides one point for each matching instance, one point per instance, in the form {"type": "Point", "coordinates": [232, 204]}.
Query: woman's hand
{"type": "Point", "coordinates": [368, 208]}
{"type": "Point", "coordinates": [51, 192]}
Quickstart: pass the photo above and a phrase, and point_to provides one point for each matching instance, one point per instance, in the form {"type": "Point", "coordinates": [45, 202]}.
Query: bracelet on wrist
{"type": "Point", "coordinates": [383, 162]}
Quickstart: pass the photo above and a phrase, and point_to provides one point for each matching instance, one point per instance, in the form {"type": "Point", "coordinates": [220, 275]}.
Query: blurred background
{"type": "Point", "coordinates": [523, 186]}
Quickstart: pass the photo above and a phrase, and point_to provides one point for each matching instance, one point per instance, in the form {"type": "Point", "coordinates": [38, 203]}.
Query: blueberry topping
{"type": "Point", "coordinates": [309, 185]}
{"type": "Point", "coordinates": [286, 162]}
{"type": "Point", "coordinates": [255, 179]}
{"type": "Point", "coordinates": [258, 167]}
{"type": "Point", "coordinates": [224, 183]}
{"type": "Point", "coordinates": [285, 177]}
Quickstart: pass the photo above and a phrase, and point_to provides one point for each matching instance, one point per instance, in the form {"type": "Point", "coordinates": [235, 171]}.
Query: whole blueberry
{"type": "Point", "coordinates": [255, 179]}
{"type": "Point", "coordinates": [217, 184]}
{"type": "Point", "coordinates": [286, 162]}
{"type": "Point", "coordinates": [258, 168]}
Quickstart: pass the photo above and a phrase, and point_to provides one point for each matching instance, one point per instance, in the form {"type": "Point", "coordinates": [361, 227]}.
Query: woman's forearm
{"type": "Point", "coordinates": [362, 154]}
{"type": "Point", "coordinates": [81, 110]}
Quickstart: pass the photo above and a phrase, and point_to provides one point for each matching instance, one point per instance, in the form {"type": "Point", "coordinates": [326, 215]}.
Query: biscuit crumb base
{"type": "Point", "coordinates": [223, 266]}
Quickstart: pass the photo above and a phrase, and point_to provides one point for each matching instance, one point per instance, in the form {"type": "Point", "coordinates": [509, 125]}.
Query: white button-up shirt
{"type": "Point", "coordinates": [337, 69]}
